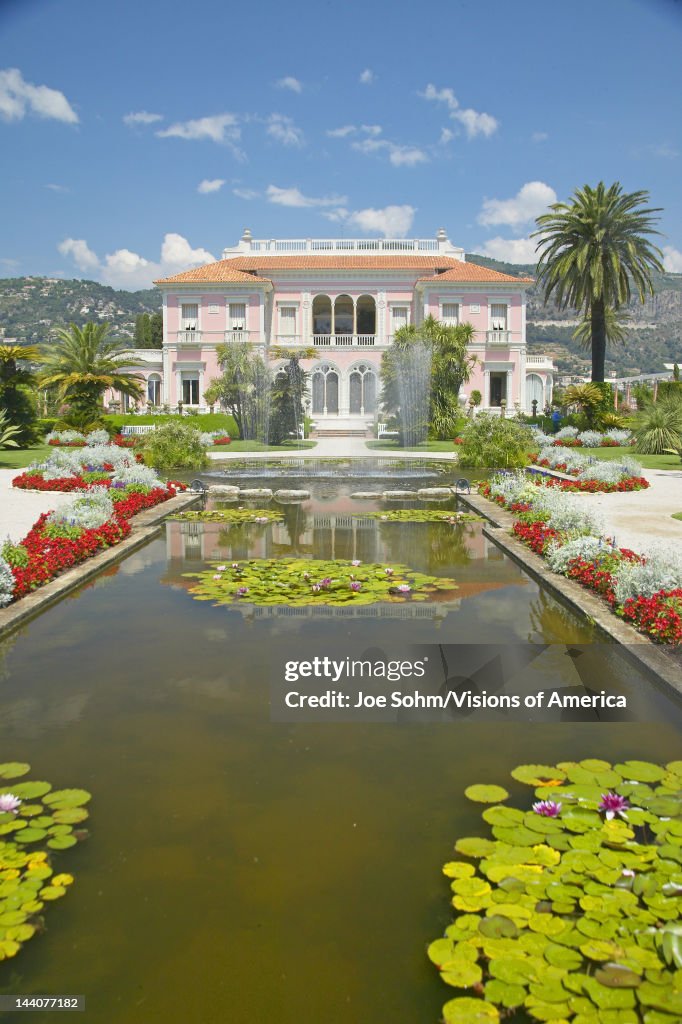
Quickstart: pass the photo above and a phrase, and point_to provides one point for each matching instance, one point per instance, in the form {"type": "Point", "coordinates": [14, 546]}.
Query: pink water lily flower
{"type": "Point", "coordinates": [316, 588]}
{"type": "Point", "coordinates": [547, 808]}
{"type": "Point", "coordinates": [221, 568]}
{"type": "Point", "coordinates": [261, 519]}
{"type": "Point", "coordinates": [235, 565]}
{"type": "Point", "coordinates": [613, 804]}
{"type": "Point", "coordinates": [355, 586]}
{"type": "Point", "coordinates": [9, 803]}
{"type": "Point", "coordinates": [356, 561]}
{"type": "Point", "coordinates": [326, 582]}
{"type": "Point", "coordinates": [242, 591]}
{"type": "Point", "coordinates": [389, 572]}
{"type": "Point", "coordinates": [404, 588]}
{"type": "Point", "coordinates": [217, 576]}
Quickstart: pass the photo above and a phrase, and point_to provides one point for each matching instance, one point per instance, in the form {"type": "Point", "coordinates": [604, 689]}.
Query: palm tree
{"type": "Point", "coordinates": [592, 251]}
{"type": "Point", "coordinates": [84, 363]}
{"type": "Point", "coordinates": [17, 393]}
{"type": "Point", "coordinates": [8, 432]}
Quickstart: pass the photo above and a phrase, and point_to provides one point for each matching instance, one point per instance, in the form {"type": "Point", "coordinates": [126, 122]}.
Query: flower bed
{"type": "Point", "coordinates": [31, 481]}
{"type": "Point", "coordinates": [645, 591]}
{"type": "Point", "coordinates": [89, 523]}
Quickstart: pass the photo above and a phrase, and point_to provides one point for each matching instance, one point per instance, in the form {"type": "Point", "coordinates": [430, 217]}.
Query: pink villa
{"type": "Point", "coordinates": [347, 298]}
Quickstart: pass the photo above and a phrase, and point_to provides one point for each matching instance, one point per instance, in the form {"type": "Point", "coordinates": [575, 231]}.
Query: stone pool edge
{"type": "Point", "coordinates": [144, 526]}
{"type": "Point", "coordinates": [638, 647]}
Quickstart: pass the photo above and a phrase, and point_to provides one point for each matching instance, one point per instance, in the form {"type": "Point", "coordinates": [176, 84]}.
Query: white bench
{"type": "Point", "coordinates": [141, 429]}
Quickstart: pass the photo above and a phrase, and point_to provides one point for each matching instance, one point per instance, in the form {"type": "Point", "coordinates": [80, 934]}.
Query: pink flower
{"type": "Point", "coordinates": [316, 588]}
{"type": "Point", "coordinates": [235, 565]}
{"type": "Point", "coordinates": [242, 591]}
{"type": "Point", "coordinates": [389, 572]}
{"type": "Point", "coordinates": [217, 576]}
{"type": "Point", "coordinates": [404, 588]}
{"type": "Point", "coordinates": [356, 561]}
{"type": "Point", "coordinates": [221, 568]}
{"type": "Point", "coordinates": [547, 808]}
{"type": "Point", "coordinates": [326, 582]}
{"type": "Point", "coordinates": [9, 803]}
{"type": "Point", "coordinates": [355, 586]}
{"type": "Point", "coordinates": [613, 804]}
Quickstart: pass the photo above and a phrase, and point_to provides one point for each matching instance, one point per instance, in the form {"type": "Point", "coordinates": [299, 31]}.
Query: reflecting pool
{"type": "Point", "coordinates": [242, 869]}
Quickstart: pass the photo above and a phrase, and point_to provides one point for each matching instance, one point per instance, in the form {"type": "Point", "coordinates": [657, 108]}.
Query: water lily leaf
{"type": "Point", "coordinates": [498, 926]}
{"type": "Point", "coordinates": [20, 932]}
{"type": "Point", "coordinates": [486, 794]}
{"type": "Point", "coordinates": [562, 956]}
{"type": "Point", "coordinates": [13, 769]}
{"type": "Point", "coordinates": [8, 948]}
{"type": "Point", "coordinates": [513, 970]}
{"type": "Point", "coordinates": [61, 842]}
{"type": "Point", "coordinates": [461, 973]}
{"type": "Point", "coordinates": [617, 976]}
{"type": "Point", "coordinates": [509, 996]}
{"type": "Point", "coordinates": [640, 771]}
{"type": "Point", "coordinates": [458, 869]}
{"type": "Point", "coordinates": [70, 815]}
{"type": "Point", "coordinates": [62, 798]}
{"type": "Point", "coordinates": [31, 790]}
{"type": "Point", "coordinates": [538, 774]}
{"type": "Point", "coordinates": [502, 816]}
{"type": "Point", "coordinates": [52, 892]}
{"type": "Point", "coordinates": [469, 1011]}
{"type": "Point", "coordinates": [474, 846]}
{"type": "Point", "coordinates": [517, 835]}
{"type": "Point", "coordinates": [31, 835]}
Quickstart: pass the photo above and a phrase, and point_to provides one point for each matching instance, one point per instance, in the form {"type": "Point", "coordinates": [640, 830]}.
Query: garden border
{"type": "Point", "coordinates": [144, 526]}
{"type": "Point", "coordinates": [636, 646]}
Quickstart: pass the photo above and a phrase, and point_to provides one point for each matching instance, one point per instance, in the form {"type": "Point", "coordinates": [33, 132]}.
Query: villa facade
{"type": "Point", "coordinates": [346, 298]}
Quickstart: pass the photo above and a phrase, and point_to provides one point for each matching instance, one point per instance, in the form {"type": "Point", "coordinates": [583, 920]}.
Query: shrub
{"type": "Point", "coordinates": [512, 487]}
{"type": "Point", "coordinates": [566, 433]}
{"type": "Point", "coordinates": [137, 476]}
{"type": "Point", "coordinates": [588, 547]}
{"type": "Point", "coordinates": [607, 472]}
{"type": "Point", "coordinates": [85, 511]}
{"type": "Point", "coordinates": [591, 439]}
{"type": "Point", "coordinates": [660, 428]}
{"type": "Point", "coordinates": [174, 445]}
{"type": "Point", "coordinates": [621, 437]}
{"type": "Point", "coordinates": [97, 437]}
{"type": "Point", "coordinates": [492, 441]}
{"type": "Point", "coordinates": [6, 583]}
{"type": "Point", "coordinates": [14, 554]}
{"type": "Point", "coordinates": [659, 571]}
{"type": "Point", "coordinates": [567, 513]}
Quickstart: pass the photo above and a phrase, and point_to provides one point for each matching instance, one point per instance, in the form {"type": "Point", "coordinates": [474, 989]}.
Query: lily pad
{"type": "Point", "coordinates": [486, 794]}
{"type": "Point", "coordinates": [469, 1011]}
{"type": "Point", "coordinates": [14, 769]}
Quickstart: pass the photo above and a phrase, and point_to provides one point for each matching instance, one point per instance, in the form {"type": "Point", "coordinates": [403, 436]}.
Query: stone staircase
{"type": "Point", "coordinates": [353, 426]}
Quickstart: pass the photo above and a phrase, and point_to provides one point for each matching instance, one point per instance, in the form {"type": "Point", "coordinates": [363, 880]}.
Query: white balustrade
{"type": "Point", "coordinates": [365, 340]}
{"type": "Point", "coordinates": [498, 337]}
{"type": "Point", "coordinates": [191, 337]}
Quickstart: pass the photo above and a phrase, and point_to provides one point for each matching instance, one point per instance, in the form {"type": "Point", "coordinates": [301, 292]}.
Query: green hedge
{"type": "Point", "coordinates": [208, 421]}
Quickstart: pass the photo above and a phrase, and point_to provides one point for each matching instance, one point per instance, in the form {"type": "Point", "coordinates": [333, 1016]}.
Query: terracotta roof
{"type": "Point", "coordinates": [472, 272]}
{"type": "Point", "coordinates": [237, 268]}
{"type": "Point", "coordinates": [223, 270]}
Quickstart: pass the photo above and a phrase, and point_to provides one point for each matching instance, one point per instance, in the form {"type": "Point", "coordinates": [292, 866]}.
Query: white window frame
{"type": "Point", "coordinates": [281, 306]}
{"type": "Point", "coordinates": [190, 377]}
{"type": "Point", "coordinates": [233, 320]}
{"type": "Point", "coordinates": [493, 317]}
{"type": "Point", "coordinates": [189, 301]}
{"type": "Point", "coordinates": [451, 320]}
{"type": "Point", "coordinates": [393, 306]}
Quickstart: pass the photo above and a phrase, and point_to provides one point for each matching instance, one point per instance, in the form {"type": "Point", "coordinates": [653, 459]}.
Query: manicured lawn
{"type": "Point", "coordinates": [18, 458]}
{"type": "Point", "coordinates": [647, 461]}
{"type": "Point", "coordinates": [256, 446]}
{"type": "Point", "coordinates": [429, 446]}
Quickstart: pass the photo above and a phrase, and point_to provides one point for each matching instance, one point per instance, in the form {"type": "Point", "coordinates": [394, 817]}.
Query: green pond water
{"type": "Point", "coordinates": [246, 870]}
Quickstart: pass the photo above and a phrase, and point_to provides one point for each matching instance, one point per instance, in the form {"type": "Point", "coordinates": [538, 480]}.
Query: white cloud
{"type": "Point", "coordinates": [391, 221]}
{"type": "Point", "coordinates": [367, 77]}
{"type": "Point", "coordinates": [289, 82]}
{"type": "Point", "coordinates": [9, 262]}
{"type": "Point", "coordinates": [294, 197]}
{"type": "Point", "coordinates": [141, 117]}
{"type": "Point", "coordinates": [539, 137]}
{"type": "Point", "coordinates": [283, 129]}
{"type": "Point", "coordinates": [672, 259]}
{"type": "Point", "coordinates": [80, 253]}
{"type": "Point", "coordinates": [210, 185]}
{"type": "Point", "coordinates": [246, 193]}
{"type": "Point", "coordinates": [17, 97]}
{"type": "Point", "coordinates": [341, 133]}
{"type": "Point", "coordinates": [399, 156]}
{"type": "Point", "coordinates": [510, 250]}
{"type": "Point", "coordinates": [474, 122]}
{"type": "Point", "coordinates": [446, 135]}
{"type": "Point", "coordinates": [56, 188]}
{"type": "Point", "coordinates": [219, 128]}
{"type": "Point", "coordinates": [371, 129]}
{"type": "Point", "coordinates": [126, 269]}
{"type": "Point", "coordinates": [530, 201]}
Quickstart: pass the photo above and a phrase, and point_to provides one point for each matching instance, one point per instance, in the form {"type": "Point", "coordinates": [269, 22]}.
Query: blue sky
{"type": "Point", "coordinates": [141, 138]}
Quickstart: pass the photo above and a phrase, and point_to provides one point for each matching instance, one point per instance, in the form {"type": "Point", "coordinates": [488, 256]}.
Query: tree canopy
{"type": "Point", "coordinates": [593, 253]}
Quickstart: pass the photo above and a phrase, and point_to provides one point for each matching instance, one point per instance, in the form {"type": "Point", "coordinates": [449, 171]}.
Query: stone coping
{"type": "Point", "coordinates": [144, 526]}
{"type": "Point", "coordinates": [654, 658]}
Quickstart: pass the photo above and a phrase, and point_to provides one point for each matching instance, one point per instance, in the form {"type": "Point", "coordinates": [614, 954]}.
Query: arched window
{"type": "Point", "coordinates": [325, 390]}
{"type": "Point", "coordinates": [343, 315]}
{"type": "Point", "coordinates": [534, 391]}
{"type": "Point", "coordinates": [154, 389]}
{"type": "Point", "coordinates": [366, 315]}
{"type": "Point", "coordinates": [362, 390]}
{"type": "Point", "coordinates": [322, 314]}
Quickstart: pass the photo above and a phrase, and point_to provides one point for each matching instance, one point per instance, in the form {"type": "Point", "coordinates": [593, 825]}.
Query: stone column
{"type": "Point", "coordinates": [510, 389]}
{"type": "Point", "coordinates": [486, 389]}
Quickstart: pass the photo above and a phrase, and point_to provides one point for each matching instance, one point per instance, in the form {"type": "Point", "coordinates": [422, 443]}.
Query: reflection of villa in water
{"type": "Point", "coordinates": [347, 298]}
{"type": "Point", "coordinates": [323, 535]}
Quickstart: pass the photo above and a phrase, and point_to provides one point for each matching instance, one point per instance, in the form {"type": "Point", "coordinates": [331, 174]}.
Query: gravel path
{"type": "Point", "coordinates": [20, 509]}
{"type": "Point", "coordinates": [641, 520]}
